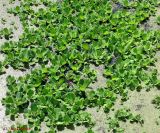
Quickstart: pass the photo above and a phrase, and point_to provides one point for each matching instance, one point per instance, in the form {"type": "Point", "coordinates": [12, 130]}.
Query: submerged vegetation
{"type": "Point", "coordinates": [65, 38]}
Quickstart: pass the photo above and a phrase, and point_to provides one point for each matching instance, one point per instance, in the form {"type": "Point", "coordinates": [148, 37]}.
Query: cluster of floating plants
{"type": "Point", "coordinates": [64, 39]}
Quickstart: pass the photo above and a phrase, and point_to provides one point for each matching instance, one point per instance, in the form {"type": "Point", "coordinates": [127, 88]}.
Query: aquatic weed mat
{"type": "Point", "coordinates": [64, 39]}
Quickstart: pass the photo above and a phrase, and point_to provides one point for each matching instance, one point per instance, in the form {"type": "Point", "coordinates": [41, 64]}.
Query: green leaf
{"type": "Point", "coordinates": [9, 100]}
{"type": "Point", "coordinates": [2, 69]}
{"type": "Point", "coordinates": [70, 97]}
{"type": "Point", "coordinates": [89, 131]}
{"type": "Point", "coordinates": [158, 20]}
{"type": "Point", "coordinates": [85, 46]}
{"type": "Point", "coordinates": [10, 80]}
{"type": "Point", "coordinates": [83, 84]}
{"type": "Point", "coordinates": [25, 55]}
{"type": "Point", "coordinates": [34, 107]}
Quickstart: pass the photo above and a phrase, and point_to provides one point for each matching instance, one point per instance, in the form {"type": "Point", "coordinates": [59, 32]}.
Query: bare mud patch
{"type": "Point", "coordinates": [151, 23]}
{"type": "Point", "coordinates": [141, 103]}
{"type": "Point", "coordinates": [101, 80]}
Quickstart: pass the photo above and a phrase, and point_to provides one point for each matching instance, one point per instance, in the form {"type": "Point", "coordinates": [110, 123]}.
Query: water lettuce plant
{"type": "Point", "coordinates": [123, 115]}
{"type": "Point", "coordinates": [156, 102]}
{"type": "Point", "coordinates": [64, 38]}
{"type": "Point", "coordinates": [6, 33]}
